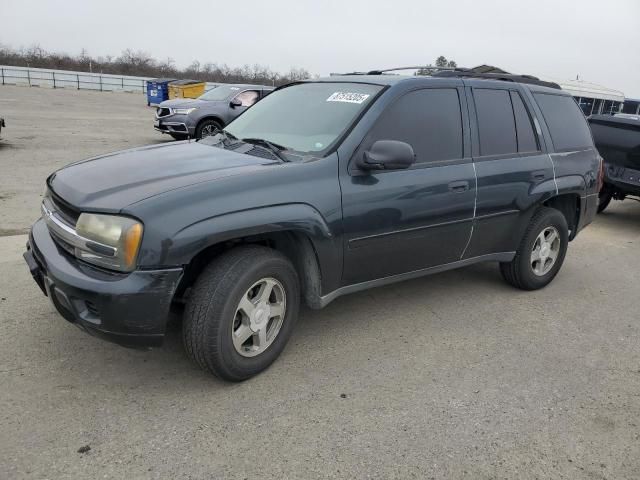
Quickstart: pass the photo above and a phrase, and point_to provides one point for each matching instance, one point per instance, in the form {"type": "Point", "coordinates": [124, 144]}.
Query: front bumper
{"type": "Point", "coordinates": [128, 309]}
{"type": "Point", "coordinates": [176, 124]}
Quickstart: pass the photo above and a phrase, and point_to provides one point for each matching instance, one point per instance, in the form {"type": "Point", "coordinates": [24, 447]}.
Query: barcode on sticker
{"type": "Point", "coordinates": [348, 97]}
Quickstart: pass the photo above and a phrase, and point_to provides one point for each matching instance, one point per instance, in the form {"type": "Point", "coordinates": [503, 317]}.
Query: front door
{"type": "Point", "coordinates": [245, 100]}
{"type": "Point", "coordinates": [398, 221]}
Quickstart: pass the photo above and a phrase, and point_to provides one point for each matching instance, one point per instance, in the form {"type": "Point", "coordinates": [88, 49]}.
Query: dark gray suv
{"type": "Point", "coordinates": [203, 116]}
{"type": "Point", "coordinates": [324, 188]}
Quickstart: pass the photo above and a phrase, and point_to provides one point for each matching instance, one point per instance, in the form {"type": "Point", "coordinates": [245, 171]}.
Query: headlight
{"type": "Point", "coordinates": [183, 111]}
{"type": "Point", "coordinates": [112, 241]}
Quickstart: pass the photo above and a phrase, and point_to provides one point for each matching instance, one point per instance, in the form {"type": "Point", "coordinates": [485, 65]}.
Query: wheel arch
{"type": "Point", "coordinates": [295, 245]}
{"type": "Point", "coordinates": [215, 118]}
{"type": "Point", "coordinates": [297, 231]}
{"type": "Point", "coordinates": [569, 204]}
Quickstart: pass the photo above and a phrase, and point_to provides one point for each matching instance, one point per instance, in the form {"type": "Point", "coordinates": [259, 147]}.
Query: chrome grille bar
{"type": "Point", "coordinates": [69, 234]}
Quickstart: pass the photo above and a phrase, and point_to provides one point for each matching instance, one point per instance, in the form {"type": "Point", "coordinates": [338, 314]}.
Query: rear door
{"type": "Point", "coordinates": [512, 164]}
{"type": "Point", "coordinates": [399, 221]}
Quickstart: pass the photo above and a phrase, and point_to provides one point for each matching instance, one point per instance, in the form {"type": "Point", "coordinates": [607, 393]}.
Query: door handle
{"type": "Point", "coordinates": [459, 187]}
{"type": "Point", "coordinates": [539, 175]}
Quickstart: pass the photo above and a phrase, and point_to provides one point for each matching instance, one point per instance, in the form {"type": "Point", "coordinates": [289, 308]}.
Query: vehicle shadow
{"type": "Point", "coordinates": [351, 316]}
{"type": "Point", "coordinates": [317, 331]}
{"type": "Point", "coordinates": [621, 214]}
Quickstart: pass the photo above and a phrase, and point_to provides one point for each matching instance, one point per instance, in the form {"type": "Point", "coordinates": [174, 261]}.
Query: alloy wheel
{"type": "Point", "coordinates": [259, 317]}
{"type": "Point", "coordinates": [545, 251]}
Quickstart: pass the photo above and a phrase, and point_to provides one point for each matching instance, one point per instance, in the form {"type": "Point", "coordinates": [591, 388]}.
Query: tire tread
{"type": "Point", "coordinates": [211, 291]}
{"type": "Point", "coordinates": [512, 271]}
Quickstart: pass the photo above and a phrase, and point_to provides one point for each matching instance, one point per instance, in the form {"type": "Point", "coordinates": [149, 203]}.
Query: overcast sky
{"type": "Point", "coordinates": [596, 39]}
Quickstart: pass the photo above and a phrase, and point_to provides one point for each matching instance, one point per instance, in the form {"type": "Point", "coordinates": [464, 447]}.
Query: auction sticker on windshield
{"type": "Point", "coordinates": [348, 97]}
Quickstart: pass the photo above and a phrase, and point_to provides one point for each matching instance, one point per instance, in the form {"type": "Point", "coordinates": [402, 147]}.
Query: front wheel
{"type": "Point", "coordinates": [241, 312]}
{"type": "Point", "coordinates": [541, 251]}
{"type": "Point", "coordinates": [206, 128]}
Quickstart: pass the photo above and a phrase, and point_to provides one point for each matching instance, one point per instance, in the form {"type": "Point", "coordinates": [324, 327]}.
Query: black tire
{"type": "Point", "coordinates": [604, 199]}
{"type": "Point", "coordinates": [211, 310]}
{"type": "Point", "coordinates": [519, 272]}
{"type": "Point", "coordinates": [206, 124]}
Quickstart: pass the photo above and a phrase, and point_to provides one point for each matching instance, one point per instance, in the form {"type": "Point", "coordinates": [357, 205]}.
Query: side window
{"type": "Point", "coordinates": [248, 98]}
{"type": "Point", "coordinates": [566, 122]}
{"type": "Point", "coordinates": [430, 120]}
{"type": "Point", "coordinates": [496, 124]}
{"type": "Point", "coordinates": [527, 140]}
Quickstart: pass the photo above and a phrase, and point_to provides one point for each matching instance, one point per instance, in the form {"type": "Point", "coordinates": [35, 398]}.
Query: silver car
{"type": "Point", "coordinates": [203, 116]}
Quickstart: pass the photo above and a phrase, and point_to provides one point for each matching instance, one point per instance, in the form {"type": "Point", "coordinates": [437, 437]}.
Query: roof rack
{"type": "Point", "coordinates": [483, 72]}
{"type": "Point", "coordinates": [387, 70]}
{"type": "Point", "coordinates": [505, 77]}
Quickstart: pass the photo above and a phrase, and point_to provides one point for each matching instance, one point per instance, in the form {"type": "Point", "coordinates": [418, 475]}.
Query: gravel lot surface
{"type": "Point", "coordinates": [455, 375]}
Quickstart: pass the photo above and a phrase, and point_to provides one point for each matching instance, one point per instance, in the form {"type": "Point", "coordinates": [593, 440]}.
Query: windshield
{"type": "Point", "coordinates": [220, 93]}
{"type": "Point", "coordinates": [307, 118]}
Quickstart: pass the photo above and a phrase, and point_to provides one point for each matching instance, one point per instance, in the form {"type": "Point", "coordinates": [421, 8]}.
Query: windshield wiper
{"type": "Point", "coordinates": [273, 147]}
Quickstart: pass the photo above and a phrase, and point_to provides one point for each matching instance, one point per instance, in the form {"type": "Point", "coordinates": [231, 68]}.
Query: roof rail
{"type": "Point", "coordinates": [429, 68]}
{"type": "Point", "coordinates": [459, 72]}
{"type": "Point", "coordinates": [386, 70]}
{"type": "Point", "coordinates": [505, 77]}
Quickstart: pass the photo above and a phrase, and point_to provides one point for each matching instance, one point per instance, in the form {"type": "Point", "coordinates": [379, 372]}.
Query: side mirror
{"type": "Point", "coordinates": [235, 103]}
{"type": "Point", "coordinates": [387, 155]}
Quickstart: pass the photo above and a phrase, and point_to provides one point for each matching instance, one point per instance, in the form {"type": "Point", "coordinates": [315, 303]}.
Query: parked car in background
{"type": "Point", "coordinates": [618, 141]}
{"type": "Point", "coordinates": [205, 115]}
{"type": "Point", "coordinates": [324, 188]}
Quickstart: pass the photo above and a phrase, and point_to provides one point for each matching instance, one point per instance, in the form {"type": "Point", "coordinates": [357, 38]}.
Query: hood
{"type": "Point", "coordinates": [185, 103]}
{"type": "Point", "coordinates": [181, 103]}
{"type": "Point", "coordinates": [111, 182]}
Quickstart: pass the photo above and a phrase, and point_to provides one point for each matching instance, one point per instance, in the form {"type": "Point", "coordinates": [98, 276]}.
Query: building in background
{"type": "Point", "coordinates": [594, 99]}
{"type": "Point", "coordinates": [631, 106]}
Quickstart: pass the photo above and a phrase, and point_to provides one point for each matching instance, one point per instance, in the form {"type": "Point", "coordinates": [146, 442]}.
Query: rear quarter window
{"type": "Point", "coordinates": [566, 122]}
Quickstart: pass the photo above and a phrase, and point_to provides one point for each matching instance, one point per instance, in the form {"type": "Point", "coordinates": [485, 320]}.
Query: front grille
{"type": "Point", "coordinates": [63, 244]}
{"type": "Point", "coordinates": [163, 112]}
{"type": "Point", "coordinates": [64, 210]}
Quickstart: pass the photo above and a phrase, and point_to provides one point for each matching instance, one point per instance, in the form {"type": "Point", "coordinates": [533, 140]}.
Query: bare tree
{"type": "Point", "coordinates": [132, 62]}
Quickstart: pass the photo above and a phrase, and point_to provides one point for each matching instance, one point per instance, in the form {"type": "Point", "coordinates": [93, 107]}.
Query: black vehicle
{"type": "Point", "coordinates": [618, 141]}
{"type": "Point", "coordinates": [324, 188]}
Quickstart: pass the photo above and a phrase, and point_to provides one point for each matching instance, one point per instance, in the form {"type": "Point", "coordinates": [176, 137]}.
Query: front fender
{"type": "Point", "coordinates": [302, 218]}
{"type": "Point", "coordinates": [194, 238]}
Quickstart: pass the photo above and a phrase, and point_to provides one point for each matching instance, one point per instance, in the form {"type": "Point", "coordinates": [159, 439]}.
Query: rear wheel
{"type": "Point", "coordinates": [206, 128]}
{"type": "Point", "coordinates": [541, 251]}
{"type": "Point", "coordinates": [241, 312]}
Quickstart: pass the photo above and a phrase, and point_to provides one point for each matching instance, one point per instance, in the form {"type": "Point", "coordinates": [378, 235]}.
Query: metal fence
{"type": "Point", "coordinates": [40, 77]}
